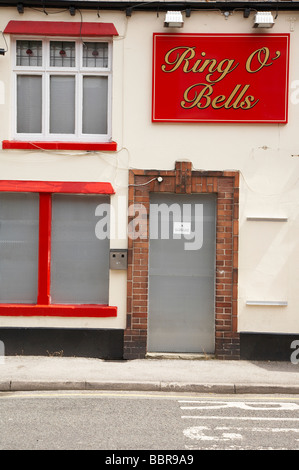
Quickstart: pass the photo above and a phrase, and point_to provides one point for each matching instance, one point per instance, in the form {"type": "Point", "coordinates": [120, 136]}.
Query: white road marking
{"type": "Point", "coordinates": [236, 428]}
{"type": "Point", "coordinates": [234, 436]}
{"type": "Point", "coordinates": [206, 405]}
{"type": "Point", "coordinates": [244, 418]}
{"type": "Point", "coordinates": [206, 433]}
{"type": "Point", "coordinates": [200, 433]}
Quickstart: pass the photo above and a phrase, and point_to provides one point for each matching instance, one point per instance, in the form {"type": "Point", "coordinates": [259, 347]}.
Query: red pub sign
{"type": "Point", "coordinates": [220, 78]}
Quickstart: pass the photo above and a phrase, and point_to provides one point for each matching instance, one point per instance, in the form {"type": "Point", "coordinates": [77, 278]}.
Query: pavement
{"type": "Point", "coordinates": [36, 373]}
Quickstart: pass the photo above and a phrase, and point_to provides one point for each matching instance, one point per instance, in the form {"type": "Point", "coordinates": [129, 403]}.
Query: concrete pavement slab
{"type": "Point", "coordinates": [210, 375]}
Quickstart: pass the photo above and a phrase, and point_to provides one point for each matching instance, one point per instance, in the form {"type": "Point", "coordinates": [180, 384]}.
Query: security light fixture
{"type": "Point", "coordinates": [263, 19]}
{"type": "Point", "coordinates": [173, 19]}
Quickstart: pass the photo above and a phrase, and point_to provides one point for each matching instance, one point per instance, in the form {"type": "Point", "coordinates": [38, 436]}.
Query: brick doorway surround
{"type": "Point", "coordinates": [183, 180]}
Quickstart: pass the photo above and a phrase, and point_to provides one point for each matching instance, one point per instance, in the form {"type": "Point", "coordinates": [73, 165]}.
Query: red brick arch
{"type": "Point", "coordinates": [184, 180]}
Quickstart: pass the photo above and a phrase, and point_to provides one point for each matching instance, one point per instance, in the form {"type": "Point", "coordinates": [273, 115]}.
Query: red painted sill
{"type": "Point", "coordinates": [83, 311]}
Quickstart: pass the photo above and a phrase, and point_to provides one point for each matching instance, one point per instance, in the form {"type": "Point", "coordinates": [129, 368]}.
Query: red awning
{"type": "Point", "coordinates": [60, 28]}
{"type": "Point", "coordinates": [79, 187]}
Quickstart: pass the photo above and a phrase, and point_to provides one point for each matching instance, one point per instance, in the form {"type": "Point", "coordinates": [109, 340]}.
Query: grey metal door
{"type": "Point", "coordinates": [182, 273]}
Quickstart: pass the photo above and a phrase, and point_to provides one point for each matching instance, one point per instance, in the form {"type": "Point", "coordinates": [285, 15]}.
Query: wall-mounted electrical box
{"type": "Point", "coordinates": [118, 259]}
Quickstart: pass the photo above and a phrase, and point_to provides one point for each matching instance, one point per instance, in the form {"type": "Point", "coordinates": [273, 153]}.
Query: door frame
{"type": "Point", "coordinates": [184, 180]}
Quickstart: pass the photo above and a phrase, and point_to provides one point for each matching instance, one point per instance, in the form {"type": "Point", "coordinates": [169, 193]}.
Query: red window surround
{"type": "Point", "coordinates": [62, 29]}
{"type": "Point", "coordinates": [43, 307]}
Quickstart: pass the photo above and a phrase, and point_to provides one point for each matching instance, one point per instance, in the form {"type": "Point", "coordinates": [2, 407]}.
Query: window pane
{"type": "Point", "coordinates": [29, 53]}
{"type": "Point", "coordinates": [19, 215]}
{"type": "Point", "coordinates": [29, 103]}
{"type": "Point", "coordinates": [79, 259]}
{"type": "Point", "coordinates": [62, 54]}
{"type": "Point", "coordinates": [95, 54]}
{"type": "Point", "coordinates": [62, 104]}
{"type": "Point", "coordinates": [95, 97]}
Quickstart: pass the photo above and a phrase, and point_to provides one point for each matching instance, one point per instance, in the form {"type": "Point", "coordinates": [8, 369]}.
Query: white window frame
{"type": "Point", "coordinates": [46, 71]}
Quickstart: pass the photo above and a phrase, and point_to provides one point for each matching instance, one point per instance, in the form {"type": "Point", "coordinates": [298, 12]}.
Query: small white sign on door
{"type": "Point", "coordinates": [181, 228]}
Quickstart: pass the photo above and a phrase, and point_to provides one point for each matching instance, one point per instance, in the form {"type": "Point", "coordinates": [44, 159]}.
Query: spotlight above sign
{"type": "Point", "coordinates": [263, 19]}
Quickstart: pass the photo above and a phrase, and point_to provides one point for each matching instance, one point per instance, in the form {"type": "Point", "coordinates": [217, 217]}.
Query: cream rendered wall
{"type": "Point", "coordinates": [71, 166]}
{"type": "Point", "coordinates": [265, 155]}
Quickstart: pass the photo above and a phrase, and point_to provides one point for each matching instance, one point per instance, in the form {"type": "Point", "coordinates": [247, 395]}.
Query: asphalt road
{"type": "Point", "coordinates": [115, 421]}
